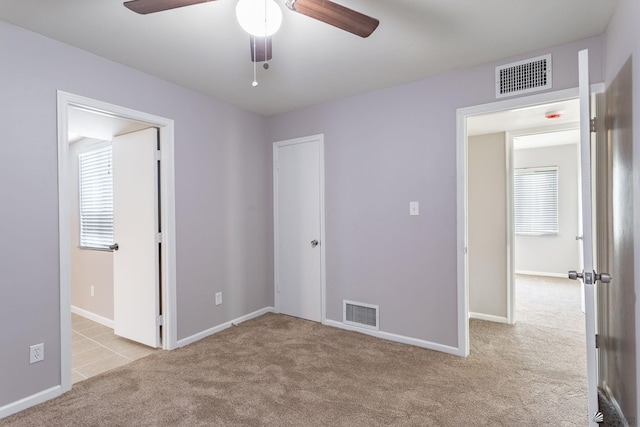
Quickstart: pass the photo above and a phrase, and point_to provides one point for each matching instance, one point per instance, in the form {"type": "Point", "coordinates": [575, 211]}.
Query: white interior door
{"type": "Point", "coordinates": [135, 224]}
{"type": "Point", "coordinates": [588, 278]}
{"type": "Point", "coordinates": [298, 227]}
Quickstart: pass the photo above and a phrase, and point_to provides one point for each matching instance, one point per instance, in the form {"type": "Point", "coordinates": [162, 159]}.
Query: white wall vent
{"type": "Point", "coordinates": [526, 76]}
{"type": "Point", "coordinates": [361, 315]}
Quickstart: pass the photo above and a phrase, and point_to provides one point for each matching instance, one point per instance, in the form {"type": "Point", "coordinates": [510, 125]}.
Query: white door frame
{"type": "Point", "coordinates": [320, 139]}
{"type": "Point", "coordinates": [462, 207]}
{"type": "Point", "coordinates": [167, 208]}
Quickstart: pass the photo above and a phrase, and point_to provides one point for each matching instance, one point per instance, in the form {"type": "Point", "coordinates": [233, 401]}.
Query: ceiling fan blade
{"type": "Point", "coordinates": [262, 45]}
{"type": "Point", "coordinates": [151, 6]}
{"type": "Point", "coordinates": [339, 16]}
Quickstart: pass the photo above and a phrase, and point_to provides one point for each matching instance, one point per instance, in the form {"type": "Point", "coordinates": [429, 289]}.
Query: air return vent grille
{"type": "Point", "coordinates": [361, 315]}
{"type": "Point", "coordinates": [523, 76]}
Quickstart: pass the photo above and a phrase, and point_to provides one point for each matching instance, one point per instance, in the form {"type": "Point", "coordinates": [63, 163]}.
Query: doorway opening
{"type": "Point", "coordinates": [523, 202]}
{"type": "Point", "coordinates": [586, 165]}
{"type": "Point", "coordinates": [93, 121]}
{"type": "Point", "coordinates": [506, 271]}
{"type": "Point", "coordinates": [523, 229]}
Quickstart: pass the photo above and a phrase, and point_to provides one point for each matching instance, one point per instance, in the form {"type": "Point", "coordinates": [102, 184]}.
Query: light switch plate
{"type": "Point", "coordinates": [414, 208]}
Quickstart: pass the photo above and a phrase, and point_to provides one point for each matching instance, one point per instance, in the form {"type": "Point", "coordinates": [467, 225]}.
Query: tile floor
{"type": "Point", "coordinates": [96, 349]}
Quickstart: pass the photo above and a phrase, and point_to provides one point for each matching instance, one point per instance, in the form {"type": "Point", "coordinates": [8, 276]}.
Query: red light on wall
{"type": "Point", "coordinates": [552, 115]}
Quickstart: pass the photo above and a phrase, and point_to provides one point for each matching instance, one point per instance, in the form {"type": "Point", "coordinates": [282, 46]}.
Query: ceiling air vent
{"type": "Point", "coordinates": [520, 77]}
{"type": "Point", "coordinates": [361, 315]}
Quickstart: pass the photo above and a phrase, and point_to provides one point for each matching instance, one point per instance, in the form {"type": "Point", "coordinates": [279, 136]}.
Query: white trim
{"type": "Point", "coordinates": [64, 237]}
{"type": "Point", "coordinates": [276, 230]}
{"type": "Point", "coordinates": [462, 238]}
{"type": "Point", "coordinates": [511, 247]}
{"type": "Point", "coordinates": [323, 292]}
{"type": "Point", "coordinates": [223, 326]}
{"type": "Point", "coordinates": [29, 401]}
{"type": "Point", "coordinates": [489, 318]}
{"type": "Point", "coordinates": [92, 316]}
{"type": "Point", "coordinates": [542, 273]}
{"type": "Point", "coordinates": [397, 338]}
{"type": "Point", "coordinates": [323, 240]}
{"type": "Point", "coordinates": [167, 188]}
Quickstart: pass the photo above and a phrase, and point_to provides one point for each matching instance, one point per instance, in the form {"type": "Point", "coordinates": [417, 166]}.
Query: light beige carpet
{"type": "Point", "coordinates": [281, 371]}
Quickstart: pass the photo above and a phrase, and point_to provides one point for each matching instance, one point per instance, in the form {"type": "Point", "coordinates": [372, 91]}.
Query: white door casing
{"type": "Point", "coordinates": [462, 195]}
{"type": "Point", "coordinates": [66, 100]}
{"type": "Point", "coordinates": [298, 177]}
{"type": "Point", "coordinates": [135, 224]}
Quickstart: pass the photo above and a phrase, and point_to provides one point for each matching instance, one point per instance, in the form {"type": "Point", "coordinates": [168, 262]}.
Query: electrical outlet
{"type": "Point", "coordinates": [218, 298]}
{"type": "Point", "coordinates": [36, 353]}
{"type": "Point", "coordinates": [93, 291]}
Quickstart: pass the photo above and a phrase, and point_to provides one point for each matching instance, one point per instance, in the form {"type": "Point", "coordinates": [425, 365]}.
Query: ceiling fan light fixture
{"type": "Point", "coordinates": [261, 18]}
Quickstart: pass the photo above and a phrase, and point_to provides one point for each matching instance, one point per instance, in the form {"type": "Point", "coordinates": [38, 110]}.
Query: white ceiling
{"type": "Point", "coordinates": [94, 124]}
{"type": "Point", "coordinates": [522, 119]}
{"type": "Point", "coordinates": [530, 126]}
{"type": "Point", "coordinates": [547, 139]}
{"type": "Point", "coordinates": [202, 47]}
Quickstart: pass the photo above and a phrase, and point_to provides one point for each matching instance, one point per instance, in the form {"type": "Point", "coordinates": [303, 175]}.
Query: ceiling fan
{"type": "Point", "coordinates": [323, 10]}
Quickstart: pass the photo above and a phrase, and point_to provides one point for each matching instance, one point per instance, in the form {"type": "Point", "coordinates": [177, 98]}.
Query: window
{"type": "Point", "coordinates": [96, 199]}
{"type": "Point", "coordinates": [535, 193]}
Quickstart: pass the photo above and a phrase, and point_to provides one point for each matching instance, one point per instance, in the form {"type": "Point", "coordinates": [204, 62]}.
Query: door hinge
{"type": "Point", "coordinates": [158, 237]}
{"type": "Point", "coordinates": [592, 125]}
{"type": "Point", "coordinates": [157, 155]}
{"type": "Point", "coordinates": [598, 341]}
{"type": "Point", "coordinates": [159, 320]}
{"type": "Point", "coordinates": [466, 250]}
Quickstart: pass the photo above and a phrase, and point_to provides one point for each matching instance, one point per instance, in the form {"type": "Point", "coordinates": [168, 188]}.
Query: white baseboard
{"type": "Point", "coordinates": [542, 273]}
{"type": "Point", "coordinates": [397, 338]}
{"type": "Point", "coordinates": [92, 316]}
{"type": "Point", "coordinates": [488, 317]}
{"type": "Point", "coordinates": [215, 329]}
{"type": "Point", "coordinates": [30, 401]}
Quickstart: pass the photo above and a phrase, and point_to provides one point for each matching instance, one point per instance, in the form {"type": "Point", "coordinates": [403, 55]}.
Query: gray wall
{"type": "Point", "coordinates": [223, 199]}
{"type": "Point", "coordinates": [383, 149]}
{"type": "Point", "coordinates": [487, 222]}
{"type": "Point", "coordinates": [552, 254]}
{"type": "Point", "coordinates": [622, 41]}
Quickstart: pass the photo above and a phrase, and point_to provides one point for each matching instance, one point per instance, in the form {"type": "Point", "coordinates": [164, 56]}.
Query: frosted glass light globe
{"type": "Point", "coordinates": [261, 18]}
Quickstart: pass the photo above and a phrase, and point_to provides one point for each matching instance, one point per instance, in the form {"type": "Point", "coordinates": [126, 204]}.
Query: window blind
{"type": "Point", "coordinates": [535, 194]}
{"type": "Point", "coordinates": [96, 199]}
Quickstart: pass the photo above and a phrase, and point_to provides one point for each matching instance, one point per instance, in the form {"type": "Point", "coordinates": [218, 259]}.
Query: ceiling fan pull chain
{"type": "Point", "coordinates": [266, 54]}
{"type": "Point", "coordinates": [255, 80]}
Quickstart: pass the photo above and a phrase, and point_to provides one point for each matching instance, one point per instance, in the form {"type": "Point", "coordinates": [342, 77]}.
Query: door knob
{"type": "Point", "coordinates": [603, 277]}
{"type": "Point", "coordinates": [314, 243]}
{"type": "Point", "coordinates": [114, 247]}
{"type": "Point", "coordinates": [573, 275]}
